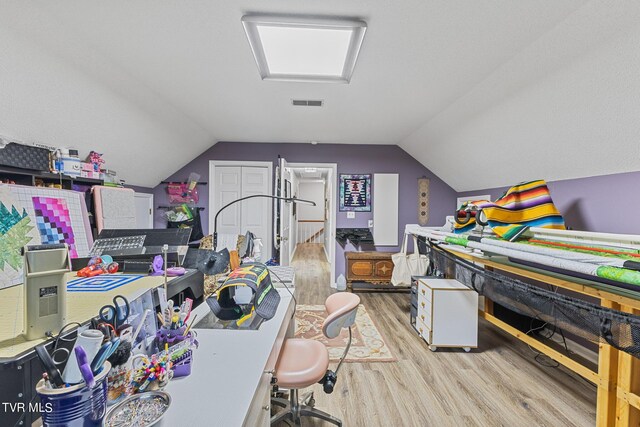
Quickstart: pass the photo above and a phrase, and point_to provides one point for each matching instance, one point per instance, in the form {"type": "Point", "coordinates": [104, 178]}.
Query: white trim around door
{"type": "Point", "coordinates": [333, 182]}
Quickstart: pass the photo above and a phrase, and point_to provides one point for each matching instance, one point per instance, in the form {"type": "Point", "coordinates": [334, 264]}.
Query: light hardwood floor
{"type": "Point", "coordinates": [498, 384]}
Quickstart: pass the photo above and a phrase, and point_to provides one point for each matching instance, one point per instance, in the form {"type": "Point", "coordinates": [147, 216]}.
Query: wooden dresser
{"type": "Point", "coordinates": [369, 267]}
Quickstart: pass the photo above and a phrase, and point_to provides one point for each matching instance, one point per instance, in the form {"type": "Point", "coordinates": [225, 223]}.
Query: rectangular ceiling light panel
{"type": "Point", "coordinates": [304, 49]}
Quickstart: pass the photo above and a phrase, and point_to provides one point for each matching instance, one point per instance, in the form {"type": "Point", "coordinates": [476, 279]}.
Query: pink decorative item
{"type": "Point", "coordinates": [180, 193]}
{"type": "Point", "coordinates": [96, 160]}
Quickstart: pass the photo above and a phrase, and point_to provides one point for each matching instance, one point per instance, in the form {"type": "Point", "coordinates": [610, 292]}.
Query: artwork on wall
{"type": "Point", "coordinates": [355, 193]}
{"type": "Point", "coordinates": [35, 216]}
{"type": "Point", "coordinates": [423, 201]}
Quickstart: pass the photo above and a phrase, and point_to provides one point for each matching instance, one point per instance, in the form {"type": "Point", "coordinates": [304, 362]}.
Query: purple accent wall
{"type": "Point", "coordinates": [139, 189]}
{"type": "Point", "coordinates": [351, 159]}
{"type": "Point", "coordinates": [603, 203]}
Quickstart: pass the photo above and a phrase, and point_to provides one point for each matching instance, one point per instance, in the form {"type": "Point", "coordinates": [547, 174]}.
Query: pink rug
{"type": "Point", "coordinates": [368, 344]}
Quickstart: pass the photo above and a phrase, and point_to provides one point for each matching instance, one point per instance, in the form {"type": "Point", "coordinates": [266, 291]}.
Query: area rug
{"type": "Point", "coordinates": [368, 344]}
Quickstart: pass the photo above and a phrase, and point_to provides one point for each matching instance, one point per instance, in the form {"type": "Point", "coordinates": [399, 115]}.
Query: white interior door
{"type": "Point", "coordinates": [286, 212]}
{"type": "Point", "coordinates": [144, 210]}
{"type": "Point", "coordinates": [233, 180]}
{"type": "Point", "coordinates": [228, 184]}
{"type": "Point", "coordinates": [254, 218]}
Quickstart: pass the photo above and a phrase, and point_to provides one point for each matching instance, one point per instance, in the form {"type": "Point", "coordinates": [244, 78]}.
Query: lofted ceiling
{"type": "Point", "coordinates": [162, 81]}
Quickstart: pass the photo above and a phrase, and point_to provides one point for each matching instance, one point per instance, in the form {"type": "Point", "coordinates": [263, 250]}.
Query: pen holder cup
{"type": "Point", "coordinates": [182, 366]}
{"type": "Point", "coordinates": [119, 383]}
{"type": "Point", "coordinates": [171, 336]}
{"type": "Point", "coordinates": [75, 406]}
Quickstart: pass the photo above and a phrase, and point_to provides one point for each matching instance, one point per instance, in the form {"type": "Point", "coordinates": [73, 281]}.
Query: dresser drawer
{"type": "Point", "coordinates": [425, 292]}
{"type": "Point", "coordinates": [423, 330]}
{"type": "Point", "coordinates": [259, 413]}
{"type": "Point", "coordinates": [425, 317]}
{"type": "Point", "coordinates": [425, 306]}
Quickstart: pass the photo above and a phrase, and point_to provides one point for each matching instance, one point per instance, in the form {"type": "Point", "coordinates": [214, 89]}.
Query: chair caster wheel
{"type": "Point", "coordinates": [466, 349]}
{"type": "Point", "coordinates": [433, 348]}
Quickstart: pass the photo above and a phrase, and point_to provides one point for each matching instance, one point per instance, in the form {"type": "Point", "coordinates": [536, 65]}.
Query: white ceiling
{"type": "Point", "coordinates": [185, 73]}
{"type": "Point", "coordinates": [319, 173]}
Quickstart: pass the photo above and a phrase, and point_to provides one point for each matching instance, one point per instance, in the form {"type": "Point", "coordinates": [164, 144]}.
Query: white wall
{"type": "Point", "coordinates": [311, 190]}
{"type": "Point", "coordinates": [314, 191]}
{"type": "Point", "coordinates": [45, 97]}
{"type": "Point", "coordinates": [567, 106]}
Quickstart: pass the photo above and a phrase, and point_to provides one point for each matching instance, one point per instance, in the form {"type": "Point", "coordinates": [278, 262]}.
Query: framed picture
{"type": "Point", "coordinates": [355, 193]}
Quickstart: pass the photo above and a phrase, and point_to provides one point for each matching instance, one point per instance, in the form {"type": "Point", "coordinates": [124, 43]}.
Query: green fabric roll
{"type": "Point", "coordinates": [461, 241]}
{"type": "Point", "coordinates": [619, 274]}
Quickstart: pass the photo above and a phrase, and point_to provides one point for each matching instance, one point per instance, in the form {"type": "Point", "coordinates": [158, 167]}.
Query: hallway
{"type": "Point", "coordinates": [312, 271]}
{"type": "Point", "coordinates": [496, 384]}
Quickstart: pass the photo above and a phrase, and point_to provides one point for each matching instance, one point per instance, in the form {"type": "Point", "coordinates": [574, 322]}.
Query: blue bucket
{"type": "Point", "coordinates": [75, 406]}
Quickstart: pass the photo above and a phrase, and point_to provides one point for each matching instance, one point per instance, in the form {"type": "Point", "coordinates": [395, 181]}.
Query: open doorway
{"type": "Point", "coordinates": [313, 228]}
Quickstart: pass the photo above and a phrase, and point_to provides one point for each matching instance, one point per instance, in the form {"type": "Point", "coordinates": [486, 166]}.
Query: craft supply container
{"type": "Point", "coordinates": [182, 366]}
{"type": "Point", "coordinates": [171, 336]}
{"type": "Point", "coordinates": [75, 406]}
{"type": "Point", "coordinates": [119, 383]}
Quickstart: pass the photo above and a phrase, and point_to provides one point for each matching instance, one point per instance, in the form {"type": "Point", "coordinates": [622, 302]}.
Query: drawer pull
{"type": "Point", "coordinates": [266, 408]}
{"type": "Point", "coordinates": [423, 304]}
{"type": "Point", "coordinates": [423, 292]}
{"type": "Point", "coordinates": [422, 317]}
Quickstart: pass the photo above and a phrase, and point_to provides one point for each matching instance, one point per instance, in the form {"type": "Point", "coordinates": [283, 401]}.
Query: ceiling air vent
{"type": "Point", "coordinates": [306, 102]}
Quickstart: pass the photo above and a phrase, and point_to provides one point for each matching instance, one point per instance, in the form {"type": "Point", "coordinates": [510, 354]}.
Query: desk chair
{"type": "Point", "coordinates": [303, 363]}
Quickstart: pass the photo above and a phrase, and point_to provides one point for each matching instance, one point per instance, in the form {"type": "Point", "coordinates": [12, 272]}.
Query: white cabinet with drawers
{"type": "Point", "coordinates": [447, 314]}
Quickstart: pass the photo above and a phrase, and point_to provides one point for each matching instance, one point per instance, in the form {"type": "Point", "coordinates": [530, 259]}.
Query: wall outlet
{"type": "Point", "coordinates": [370, 223]}
{"type": "Point", "coordinates": [351, 215]}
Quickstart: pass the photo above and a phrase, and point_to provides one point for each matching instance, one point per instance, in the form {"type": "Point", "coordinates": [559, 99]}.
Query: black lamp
{"type": "Point", "coordinates": [286, 199]}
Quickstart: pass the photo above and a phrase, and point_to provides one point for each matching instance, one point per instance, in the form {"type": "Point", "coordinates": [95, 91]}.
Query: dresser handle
{"type": "Point", "coordinates": [423, 292]}
{"type": "Point", "coordinates": [422, 317]}
{"type": "Point", "coordinates": [423, 305]}
{"type": "Point", "coordinates": [266, 408]}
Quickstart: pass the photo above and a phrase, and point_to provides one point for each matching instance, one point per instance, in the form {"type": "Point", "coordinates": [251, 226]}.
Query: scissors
{"type": "Point", "coordinates": [115, 314]}
{"type": "Point", "coordinates": [104, 353]}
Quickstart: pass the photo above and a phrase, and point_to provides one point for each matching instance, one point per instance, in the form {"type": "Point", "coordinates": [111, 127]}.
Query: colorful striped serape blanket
{"type": "Point", "coordinates": [527, 204]}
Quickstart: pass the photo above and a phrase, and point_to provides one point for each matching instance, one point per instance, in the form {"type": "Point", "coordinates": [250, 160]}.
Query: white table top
{"type": "Point", "coordinates": [226, 371]}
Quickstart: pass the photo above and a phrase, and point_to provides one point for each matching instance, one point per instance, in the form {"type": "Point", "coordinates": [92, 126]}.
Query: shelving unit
{"type": "Point", "coordinates": [29, 177]}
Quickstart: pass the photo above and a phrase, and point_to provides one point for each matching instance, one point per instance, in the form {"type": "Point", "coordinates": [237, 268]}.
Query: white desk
{"type": "Point", "coordinates": [230, 380]}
